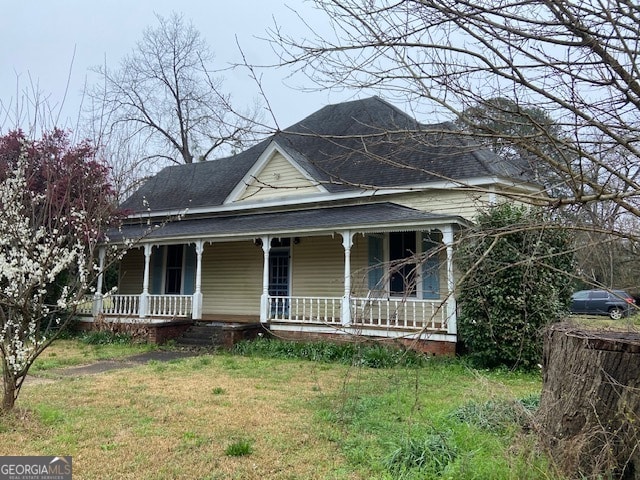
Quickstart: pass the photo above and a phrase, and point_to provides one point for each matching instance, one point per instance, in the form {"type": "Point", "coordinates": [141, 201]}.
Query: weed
{"type": "Point", "coordinates": [498, 416]}
{"type": "Point", "coordinates": [218, 391]}
{"type": "Point", "coordinates": [49, 415]}
{"type": "Point", "coordinates": [421, 457]}
{"type": "Point", "coordinates": [239, 448]}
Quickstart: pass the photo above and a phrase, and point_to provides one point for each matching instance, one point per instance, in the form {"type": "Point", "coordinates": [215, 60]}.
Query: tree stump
{"type": "Point", "coordinates": [590, 406]}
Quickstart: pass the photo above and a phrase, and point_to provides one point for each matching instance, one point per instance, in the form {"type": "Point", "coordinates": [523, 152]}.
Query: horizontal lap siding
{"type": "Point", "coordinates": [131, 272]}
{"type": "Point", "coordinates": [360, 266]}
{"type": "Point", "coordinates": [464, 203]}
{"type": "Point", "coordinates": [318, 267]}
{"type": "Point", "coordinates": [232, 278]}
{"type": "Point", "coordinates": [277, 179]}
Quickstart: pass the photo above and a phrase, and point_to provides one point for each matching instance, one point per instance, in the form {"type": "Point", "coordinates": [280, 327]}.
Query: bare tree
{"type": "Point", "coordinates": [575, 61]}
{"type": "Point", "coordinates": [165, 96]}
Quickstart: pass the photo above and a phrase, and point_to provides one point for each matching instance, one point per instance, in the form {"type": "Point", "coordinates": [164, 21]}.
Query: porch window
{"type": "Point", "coordinates": [392, 269]}
{"type": "Point", "coordinates": [173, 269]}
{"type": "Point", "coordinates": [173, 276]}
{"type": "Point", "coordinates": [402, 275]}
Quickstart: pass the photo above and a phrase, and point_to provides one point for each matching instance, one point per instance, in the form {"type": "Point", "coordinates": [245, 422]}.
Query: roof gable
{"type": "Point", "coordinates": [274, 174]}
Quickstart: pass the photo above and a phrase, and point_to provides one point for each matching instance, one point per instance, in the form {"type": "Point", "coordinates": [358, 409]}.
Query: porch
{"type": "Point", "coordinates": [374, 317]}
{"type": "Point", "coordinates": [313, 277]}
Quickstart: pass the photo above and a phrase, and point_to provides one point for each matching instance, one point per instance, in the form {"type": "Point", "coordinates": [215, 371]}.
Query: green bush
{"type": "Point", "coordinates": [516, 263]}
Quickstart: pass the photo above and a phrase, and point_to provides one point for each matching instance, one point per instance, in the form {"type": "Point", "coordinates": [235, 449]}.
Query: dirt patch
{"type": "Point", "coordinates": [102, 366]}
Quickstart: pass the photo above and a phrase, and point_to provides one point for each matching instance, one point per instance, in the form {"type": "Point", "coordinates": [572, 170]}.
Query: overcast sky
{"type": "Point", "coordinates": [47, 42]}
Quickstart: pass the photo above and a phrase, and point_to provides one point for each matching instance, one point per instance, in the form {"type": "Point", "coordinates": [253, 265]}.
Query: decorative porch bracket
{"type": "Point", "coordinates": [196, 309]}
{"type": "Point", "coordinates": [347, 243]}
{"type": "Point", "coordinates": [264, 299]}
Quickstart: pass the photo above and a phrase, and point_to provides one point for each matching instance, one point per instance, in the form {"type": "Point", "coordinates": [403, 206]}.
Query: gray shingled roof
{"type": "Point", "coordinates": [327, 219]}
{"type": "Point", "coordinates": [330, 146]}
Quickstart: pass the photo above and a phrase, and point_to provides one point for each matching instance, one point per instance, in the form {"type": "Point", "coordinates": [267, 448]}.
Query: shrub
{"type": "Point", "coordinates": [516, 263]}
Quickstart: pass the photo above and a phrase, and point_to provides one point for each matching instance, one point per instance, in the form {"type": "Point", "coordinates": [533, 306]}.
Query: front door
{"type": "Point", "coordinates": [279, 281]}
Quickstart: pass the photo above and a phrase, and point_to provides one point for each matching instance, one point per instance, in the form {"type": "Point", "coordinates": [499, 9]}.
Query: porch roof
{"type": "Point", "coordinates": [362, 218]}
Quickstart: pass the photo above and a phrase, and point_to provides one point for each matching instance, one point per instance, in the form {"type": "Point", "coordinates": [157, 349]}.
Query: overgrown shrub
{"type": "Point", "coordinates": [515, 264]}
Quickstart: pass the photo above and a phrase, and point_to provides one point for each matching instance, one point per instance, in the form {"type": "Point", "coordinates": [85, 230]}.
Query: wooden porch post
{"type": "Point", "coordinates": [144, 297]}
{"type": "Point", "coordinates": [447, 239]}
{"type": "Point", "coordinates": [97, 296]}
{"type": "Point", "coordinates": [196, 309]}
{"type": "Point", "coordinates": [347, 243]}
{"type": "Point", "coordinates": [264, 299]}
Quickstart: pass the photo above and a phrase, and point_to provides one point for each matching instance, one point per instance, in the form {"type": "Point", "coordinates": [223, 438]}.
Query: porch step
{"type": "Point", "coordinates": [218, 334]}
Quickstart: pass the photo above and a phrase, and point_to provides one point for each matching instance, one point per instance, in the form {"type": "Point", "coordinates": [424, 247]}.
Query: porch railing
{"type": "Point", "coordinates": [305, 309]}
{"type": "Point", "coordinates": [389, 313]}
{"type": "Point", "coordinates": [170, 305]}
{"type": "Point", "coordinates": [163, 306]}
{"type": "Point", "coordinates": [401, 313]}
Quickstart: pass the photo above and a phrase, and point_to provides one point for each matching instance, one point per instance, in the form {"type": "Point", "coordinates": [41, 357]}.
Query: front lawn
{"type": "Point", "coordinates": [224, 416]}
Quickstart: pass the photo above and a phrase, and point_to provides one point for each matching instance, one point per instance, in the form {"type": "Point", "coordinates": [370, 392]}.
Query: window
{"type": "Point", "coordinates": [173, 278]}
{"type": "Point", "coordinates": [173, 270]}
{"type": "Point", "coordinates": [392, 264]}
{"type": "Point", "coordinates": [402, 267]}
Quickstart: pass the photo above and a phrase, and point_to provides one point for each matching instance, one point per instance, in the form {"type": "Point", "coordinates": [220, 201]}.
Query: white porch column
{"type": "Point", "coordinates": [264, 299]}
{"type": "Point", "coordinates": [347, 243]}
{"type": "Point", "coordinates": [144, 297]}
{"type": "Point", "coordinates": [447, 239]}
{"type": "Point", "coordinates": [196, 309]}
{"type": "Point", "coordinates": [97, 296]}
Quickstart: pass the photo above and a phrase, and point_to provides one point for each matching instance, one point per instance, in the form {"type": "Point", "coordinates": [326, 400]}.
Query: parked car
{"type": "Point", "coordinates": [615, 303]}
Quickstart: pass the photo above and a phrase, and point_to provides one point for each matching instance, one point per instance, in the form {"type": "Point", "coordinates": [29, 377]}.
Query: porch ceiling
{"type": "Point", "coordinates": [369, 217]}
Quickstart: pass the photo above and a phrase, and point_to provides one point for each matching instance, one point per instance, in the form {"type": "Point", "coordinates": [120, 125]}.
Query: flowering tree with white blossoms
{"type": "Point", "coordinates": [55, 206]}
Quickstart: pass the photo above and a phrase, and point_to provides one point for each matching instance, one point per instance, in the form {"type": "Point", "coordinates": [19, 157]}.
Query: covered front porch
{"type": "Point", "coordinates": [393, 281]}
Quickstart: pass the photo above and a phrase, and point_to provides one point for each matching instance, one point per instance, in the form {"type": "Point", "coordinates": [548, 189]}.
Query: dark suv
{"type": "Point", "coordinates": [615, 303]}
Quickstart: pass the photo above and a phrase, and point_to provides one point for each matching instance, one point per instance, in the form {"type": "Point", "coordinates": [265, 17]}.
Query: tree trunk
{"type": "Point", "coordinates": [590, 406]}
{"type": "Point", "coordinates": [10, 390]}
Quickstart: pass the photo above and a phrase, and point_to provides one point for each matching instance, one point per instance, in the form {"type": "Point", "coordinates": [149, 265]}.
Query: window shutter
{"type": "Point", "coordinates": [189, 269]}
{"type": "Point", "coordinates": [157, 270]}
{"type": "Point", "coordinates": [430, 269]}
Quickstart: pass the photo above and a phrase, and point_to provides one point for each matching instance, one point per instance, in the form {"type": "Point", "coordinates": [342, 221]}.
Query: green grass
{"type": "Point", "coordinates": [239, 448]}
{"type": "Point", "coordinates": [256, 416]}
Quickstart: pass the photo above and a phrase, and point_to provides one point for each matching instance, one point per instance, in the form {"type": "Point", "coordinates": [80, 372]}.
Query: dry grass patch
{"type": "Point", "coordinates": [176, 420]}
